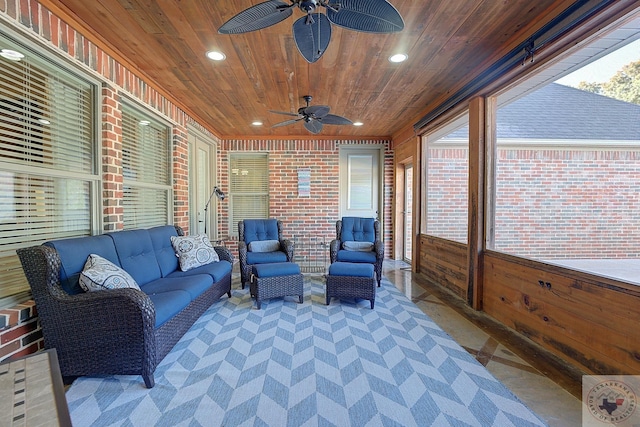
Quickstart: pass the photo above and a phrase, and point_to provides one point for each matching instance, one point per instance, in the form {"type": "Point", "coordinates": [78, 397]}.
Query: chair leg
{"type": "Point", "coordinates": [372, 301]}
{"type": "Point", "coordinates": [300, 298]}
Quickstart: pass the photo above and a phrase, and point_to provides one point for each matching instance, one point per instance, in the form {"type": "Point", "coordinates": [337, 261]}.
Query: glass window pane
{"type": "Point", "coordinates": [360, 187]}
{"type": "Point", "coordinates": [568, 161]}
{"type": "Point", "coordinates": [447, 181]}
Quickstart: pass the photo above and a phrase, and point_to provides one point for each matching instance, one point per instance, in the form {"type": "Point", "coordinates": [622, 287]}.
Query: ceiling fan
{"type": "Point", "coordinates": [314, 117]}
{"type": "Point", "coordinates": [312, 32]}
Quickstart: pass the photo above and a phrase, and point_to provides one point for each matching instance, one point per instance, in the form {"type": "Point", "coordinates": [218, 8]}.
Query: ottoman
{"type": "Point", "coordinates": [276, 279]}
{"type": "Point", "coordinates": [351, 280]}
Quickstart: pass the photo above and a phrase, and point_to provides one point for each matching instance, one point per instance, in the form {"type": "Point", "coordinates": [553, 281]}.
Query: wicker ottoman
{"type": "Point", "coordinates": [351, 280]}
{"type": "Point", "coordinates": [274, 280]}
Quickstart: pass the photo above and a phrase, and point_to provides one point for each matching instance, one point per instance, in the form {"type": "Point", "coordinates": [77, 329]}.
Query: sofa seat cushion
{"type": "Point", "coordinates": [217, 270]}
{"type": "Point", "coordinates": [168, 304]}
{"type": "Point", "coordinates": [351, 269]}
{"type": "Point", "coordinates": [356, 256]}
{"type": "Point", "coordinates": [266, 257]}
{"type": "Point", "coordinates": [193, 285]}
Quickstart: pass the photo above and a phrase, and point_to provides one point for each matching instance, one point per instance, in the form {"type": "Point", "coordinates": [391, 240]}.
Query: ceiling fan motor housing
{"type": "Point", "coordinates": [308, 6]}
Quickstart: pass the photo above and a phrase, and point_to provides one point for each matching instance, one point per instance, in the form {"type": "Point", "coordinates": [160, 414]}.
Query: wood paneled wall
{"type": "Point", "coordinates": [444, 262]}
{"type": "Point", "coordinates": [587, 320]}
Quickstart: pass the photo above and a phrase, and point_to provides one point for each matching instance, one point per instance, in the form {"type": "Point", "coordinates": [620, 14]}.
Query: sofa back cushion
{"type": "Point", "coordinates": [165, 254]}
{"type": "Point", "coordinates": [73, 254]}
{"type": "Point", "coordinates": [358, 229]}
{"type": "Point", "coordinates": [260, 229]}
{"type": "Point", "coordinates": [137, 255]}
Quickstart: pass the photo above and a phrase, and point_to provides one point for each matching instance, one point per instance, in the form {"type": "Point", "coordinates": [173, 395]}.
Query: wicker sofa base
{"type": "Point", "coordinates": [263, 288]}
{"type": "Point", "coordinates": [351, 287]}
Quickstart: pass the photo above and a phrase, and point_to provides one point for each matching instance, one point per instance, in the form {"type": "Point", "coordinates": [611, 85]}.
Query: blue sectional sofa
{"type": "Point", "coordinates": [120, 331]}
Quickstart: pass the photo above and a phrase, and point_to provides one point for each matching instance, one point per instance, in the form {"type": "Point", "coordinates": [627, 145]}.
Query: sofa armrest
{"type": "Point", "coordinates": [288, 247]}
{"type": "Point", "coordinates": [334, 247]}
{"type": "Point", "coordinates": [378, 247]}
{"type": "Point", "coordinates": [103, 332]}
{"type": "Point", "coordinates": [224, 253]}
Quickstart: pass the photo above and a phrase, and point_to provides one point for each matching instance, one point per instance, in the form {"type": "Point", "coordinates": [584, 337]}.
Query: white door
{"type": "Point", "coordinates": [203, 218]}
{"type": "Point", "coordinates": [360, 182]}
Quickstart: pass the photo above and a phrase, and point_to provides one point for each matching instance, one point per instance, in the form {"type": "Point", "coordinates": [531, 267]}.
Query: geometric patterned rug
{"type": "Point", "coordinates": [308, 364]}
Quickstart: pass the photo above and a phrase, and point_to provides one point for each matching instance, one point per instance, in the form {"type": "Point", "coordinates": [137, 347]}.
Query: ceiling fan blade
{"type": "Point", "coordinates": [371, 16]}
{"type": "Point", "coordinates": [286, 113]}
{"type": "Point", "coordinates": [317, 111]}
{"type": "Point", "coordinates": [312, 34]}
{"type": "Point", "coordinates": [286, 123]}
{"type": "Point", "coordinates": [257, 17]}
{"type": "Point", "coordinates": [313, 126]}
{"type": "Point", "coordinates": [332, 119]}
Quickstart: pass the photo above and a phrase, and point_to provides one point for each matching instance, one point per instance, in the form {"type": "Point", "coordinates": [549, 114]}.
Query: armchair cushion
{"type": "Point", "coordinates": [266, 257]}
{"type": "Point", "coordinates": [101, 274]}
{"type": "Point", "coordinates": [260, 229]}
{"type": "Point", "coordinates": [358, 246]}
{"type": "Point", "coordinates": [358, 229]}
{"type": "Point", "coordinates": [357, 256]}
{"type": "Point", "coordinates": [194, 251]}
{"type": "Point", "coordinates": [264, 246]}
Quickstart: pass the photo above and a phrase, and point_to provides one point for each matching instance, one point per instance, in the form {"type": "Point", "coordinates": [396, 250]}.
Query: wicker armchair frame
{"type": "Point", "coordinates": [107, 333]}
{"type": "Point", "coordinates": [286, 246]}
{"type": "Point", "coordinates": [378, 247]}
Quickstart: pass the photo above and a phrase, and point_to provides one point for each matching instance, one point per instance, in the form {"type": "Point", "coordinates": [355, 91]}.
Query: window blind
{"type": "Point", "coordinates": [248, 187]}
{"type": "Point", "coordinates": [47, 160]}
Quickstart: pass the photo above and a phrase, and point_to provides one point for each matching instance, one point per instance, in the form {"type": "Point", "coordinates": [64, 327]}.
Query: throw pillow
{"type": "Point", "coordinates": [264, 246]}
{"type": "Point", "coordinates": [193, 251]}
{"type": "Point", "coordinates": [100, 274]}
{"type": "Point", "coordinates": [358, 246]}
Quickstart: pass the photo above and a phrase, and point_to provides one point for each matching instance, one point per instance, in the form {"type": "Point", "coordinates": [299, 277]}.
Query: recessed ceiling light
{"type": "Point", "coordinates": [215, 55]}
{"type": "Point", "coordinates": [144, 122]}
{"type": "Point", "coordinates": [358, 123]}
{"type": "Point", "coordinates": [256, 123]}
{"type": "Point", "coordinates": [11, 54]}
{"type": "Point", "coordinates": [398, 57]}
{"type": "Point", "coordinates": [44, 121]}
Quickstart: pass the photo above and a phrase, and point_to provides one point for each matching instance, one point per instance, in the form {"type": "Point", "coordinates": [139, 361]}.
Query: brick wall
{"type": "Point", "coordinates": [317, 214]}
{"type": "Point", "coordinates": [20, 332]}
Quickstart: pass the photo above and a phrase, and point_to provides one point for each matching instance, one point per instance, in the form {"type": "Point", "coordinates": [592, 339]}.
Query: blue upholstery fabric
{"type": "Point", "coordinates": [217, 270]}
{"type": "Point", "coordinates": [351, 269]}
{"type": "Point", "coordinates": [168, 304]}
{"type": "Point", "coordinates": [136, 255]}
{"type": "Point", "coordinates": [260, 229]}
{"type": "Point", "coordinates": [356, 256]}
{"type": "Point", "coordinates": [74, 253]}
{"type": "Point", "coordinates": [276, 269]}
{"type": "Point", "coordinates": [358, 229]}
{"type": "Point", "coordinates": [266, 257]}
{"type": "Point", "coordinates": [165, 254]}
{"type": "Point", "coordinates": [194, 285]}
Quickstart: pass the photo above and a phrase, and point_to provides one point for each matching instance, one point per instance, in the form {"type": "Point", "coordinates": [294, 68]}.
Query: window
{"type": "Point", "coordinates": [146, 170]}
{"type": "Point", "coordinates": [446, 157]}
{"type": "Point", "coordinates": [48, 176]}
{"type": "Point", "coordinates": [248, 188]}
{"type": "Point", "coordinates": [567, 160]}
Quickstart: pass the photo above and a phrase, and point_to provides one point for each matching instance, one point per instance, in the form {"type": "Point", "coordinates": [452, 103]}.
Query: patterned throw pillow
{"type": "Point", "coordinates": [101, 274]}
{"type": "Point", "coordinates": [194, 251]}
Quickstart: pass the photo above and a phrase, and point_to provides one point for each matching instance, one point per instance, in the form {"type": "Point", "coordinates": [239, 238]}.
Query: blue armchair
{"type": "Point", "coordinates": [260, 242]}
{"type": "Point", "coordinates": [358, 240]}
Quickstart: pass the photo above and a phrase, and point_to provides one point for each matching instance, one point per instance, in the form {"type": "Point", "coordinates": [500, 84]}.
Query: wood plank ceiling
{"type": "Point", "coordinates": [448, 42]}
